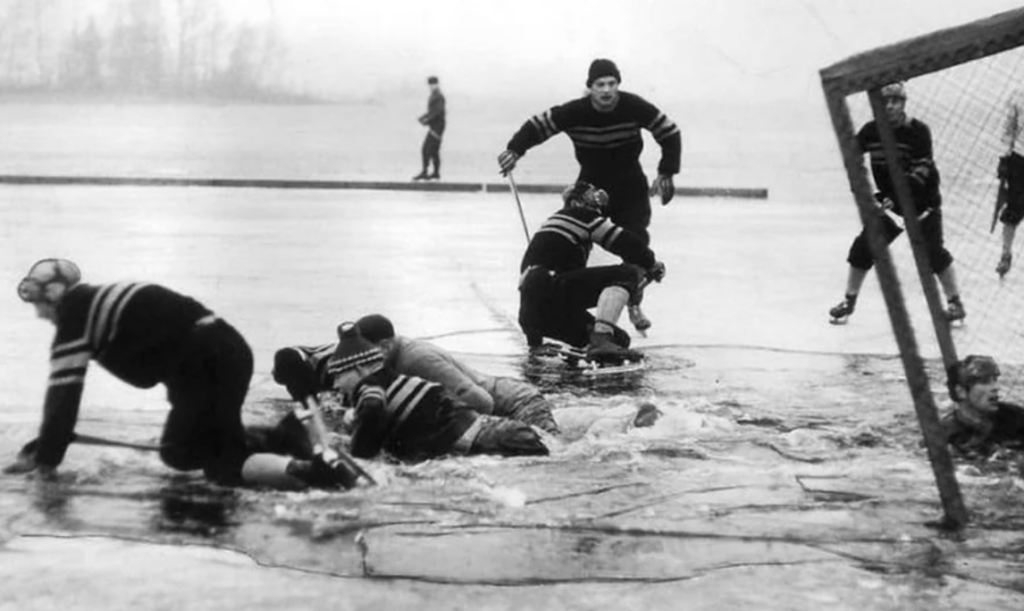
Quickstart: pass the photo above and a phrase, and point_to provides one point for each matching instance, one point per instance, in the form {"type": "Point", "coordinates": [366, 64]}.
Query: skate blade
{"type": "Point", "coordinates": [839, 321]}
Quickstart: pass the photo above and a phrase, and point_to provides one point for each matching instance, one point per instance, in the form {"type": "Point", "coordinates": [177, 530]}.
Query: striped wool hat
{"type": "Point", "coordinates": [354, 350]}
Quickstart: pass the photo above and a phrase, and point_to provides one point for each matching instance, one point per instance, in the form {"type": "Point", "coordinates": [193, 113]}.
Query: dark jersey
{"type": "Point", "coordinates": [406, 416]}
{"type": "Point", "coordinates": [914, 157]}
{"type": "Point", "coordinates": [565, 239]}
{"type": "Point", "coordinates": [435, 117]}
{"type": "Point", "coordinates": [607, 144]}
{"type": "Point", "coordinates": [1004, 428]}
{"type": "Point", "coordinates": [136, 331]}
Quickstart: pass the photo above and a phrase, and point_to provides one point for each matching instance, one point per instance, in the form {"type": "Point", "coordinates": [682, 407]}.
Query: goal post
{"type": "Point", "coordinates": [959, 80]}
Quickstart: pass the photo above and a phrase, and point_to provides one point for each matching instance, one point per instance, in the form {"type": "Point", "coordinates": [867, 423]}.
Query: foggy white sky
{"type": "Point", "coordinates": [541, 48]}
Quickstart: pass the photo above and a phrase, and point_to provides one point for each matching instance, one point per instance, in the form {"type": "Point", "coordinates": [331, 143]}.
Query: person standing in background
{"type": "Point", "coordinates": [915, 158]}
{"type": "Point", "coordinates": [434, 119]}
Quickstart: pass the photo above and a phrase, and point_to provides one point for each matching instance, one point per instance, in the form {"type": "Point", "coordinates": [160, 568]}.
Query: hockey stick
{"type": "Point", "coordinates": [1003, 194]}
{"type": "Point", "coordinates": [92, 440]}
{"type": "Point", "coordinates": [519, 204]}
{"type": "Point", "coordinates": [308, 413]}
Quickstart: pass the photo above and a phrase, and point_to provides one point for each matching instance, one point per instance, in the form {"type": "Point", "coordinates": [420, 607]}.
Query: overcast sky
{"type": "Point", "coordinates": [541, 48]}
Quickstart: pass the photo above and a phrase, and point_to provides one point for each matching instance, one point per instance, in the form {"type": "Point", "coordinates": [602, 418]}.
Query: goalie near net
{"type": "Point", "coordinates": [959, 82]}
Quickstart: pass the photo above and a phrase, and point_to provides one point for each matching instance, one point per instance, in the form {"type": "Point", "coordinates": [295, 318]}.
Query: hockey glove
{"type": "Point", "coordinates": [1003, 169]}
{"type": "Point", "coordinates": [664, 188]}
{"type": "Point", "coordinates": [507, 161]}
{"type": "Point", "coordinates": [656, 271]}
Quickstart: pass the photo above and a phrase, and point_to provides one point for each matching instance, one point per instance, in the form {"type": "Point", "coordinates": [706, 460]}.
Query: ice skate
{"type": "Point", "coordinates": [1004, 264]}
{"type": "Point", "coordinates": [421, 176]}
{"type": "Point", "coordinates": [955, 312]}
{"type": "Point", "coordinates": [602, 349]}
{"type": "Point", "coordinates": [434, 176]}
{"type": "Point", "coordinates": [840, 314]}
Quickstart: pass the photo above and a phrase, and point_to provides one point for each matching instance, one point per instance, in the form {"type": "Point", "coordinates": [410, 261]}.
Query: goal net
{"type": "Point", "coordinates": [961, 82]}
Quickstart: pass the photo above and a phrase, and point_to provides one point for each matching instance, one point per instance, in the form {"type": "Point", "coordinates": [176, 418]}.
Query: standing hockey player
{"type": "Point", "coordinates": [604, 127]}
{"type": "Point", "coordinates": [556, 288]}
{"type": "Point", "coordinates": [1010, 207]}
{"type": "Point", "coordinates": [145, 335]}
{"type": "Point", "coordinates": [413, 419]}
{"type": "Point", "coordinates": [914, 143]}
{"type": "Point", "coordinates": [306, 371]}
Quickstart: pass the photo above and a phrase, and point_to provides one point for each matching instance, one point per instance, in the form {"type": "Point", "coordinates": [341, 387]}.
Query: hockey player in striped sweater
{"type": "Point", "coordinates": [145, 334]}
{"type": "Point", "coordinates": [412, 419]}
{"type": "Point", "coordinates": [307, 370]}
{"type": "Point", "coordinates": [604, 127]}
{"type": "Point", "coordinates": [556, 288]}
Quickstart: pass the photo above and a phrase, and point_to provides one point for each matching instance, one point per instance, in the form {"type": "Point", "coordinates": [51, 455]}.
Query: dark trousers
{"type": "Point", "coordinates": [431, 152]}
{"type": "Point", "coordinates": [931, 227]}
{"type": "Point", "coordinates": [204, 428]}
{"type": "Point", "coordinates": [1013, 212]}
{"type": "Point", "coordinates": [556, 305]}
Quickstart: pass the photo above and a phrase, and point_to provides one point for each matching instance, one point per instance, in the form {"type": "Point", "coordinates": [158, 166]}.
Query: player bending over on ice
{"type": "Point", "coordinates": [413, 419]}
{"type": "Point", "coordinates": [556, 288]}
{"type": "Point", "coordinates": [980, 423]}
{"type": "Point", "coordinates": [307, 371]}
{"type": "Point", "coordinates": [145, 335]}
{"type": "Point", "coordinates": [914, 143]}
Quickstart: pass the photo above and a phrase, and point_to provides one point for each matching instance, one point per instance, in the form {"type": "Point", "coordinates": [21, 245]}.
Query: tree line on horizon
{"type": "Point", "coordinates": [174, 48]}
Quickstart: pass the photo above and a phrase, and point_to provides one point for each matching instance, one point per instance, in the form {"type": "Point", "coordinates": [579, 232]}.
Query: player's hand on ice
{"type": "Point", "coordinates": [657, 271]}
{"type": "Point", "coordinates": [507, 161]}
{"type": "Point", "coordinates": [663, 188]}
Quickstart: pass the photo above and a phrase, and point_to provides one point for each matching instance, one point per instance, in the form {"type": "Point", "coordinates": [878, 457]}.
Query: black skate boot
{"type": "Point", "coordinates": [603, 349]}
{"type": "Point", "coordinates": [1004, 264]}
{"type": "Point", "coordinates": [841, 312]}
{"type": "Point", "coordinates": [955, 312]}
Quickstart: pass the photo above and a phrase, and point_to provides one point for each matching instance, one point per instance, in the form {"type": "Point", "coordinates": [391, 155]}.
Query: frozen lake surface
{"type": "Point", "coordinates": [785, 474]}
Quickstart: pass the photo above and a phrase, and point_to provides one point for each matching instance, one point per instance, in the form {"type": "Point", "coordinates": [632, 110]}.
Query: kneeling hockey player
{"type": "Point", "coordinates": [557, 288]}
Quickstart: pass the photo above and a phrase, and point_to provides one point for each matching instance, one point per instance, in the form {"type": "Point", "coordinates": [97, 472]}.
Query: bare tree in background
{"type": "Point", "coordinates": [149, 47]}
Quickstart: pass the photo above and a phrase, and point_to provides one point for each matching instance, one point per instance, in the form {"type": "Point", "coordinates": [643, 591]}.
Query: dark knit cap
{"type": "Point", "coordinates": [353, 350]}
{"type": "Point", "coordinates": [432, 80]}
{"type": "Point", "coordinates": [375, 328]}
{"type": "Point", "coordinates": [602, 67]}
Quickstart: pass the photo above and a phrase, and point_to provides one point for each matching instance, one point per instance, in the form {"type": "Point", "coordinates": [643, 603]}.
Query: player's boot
{"type": "Point", "coordinates": [421, 176]}
{"type": "Point", "coordinates": [603, 349]}
{"type": "Point", "coordinates": [841, 312]}
{"type": "Point", "coordinates": [1004, 264]}
{"type": "Point", "coordinates": [956, 310]}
